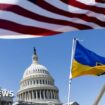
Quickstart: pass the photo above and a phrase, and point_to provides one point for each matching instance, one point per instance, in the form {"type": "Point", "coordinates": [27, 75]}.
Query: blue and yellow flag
{"type": "Point", "coordinates": [87, 62]}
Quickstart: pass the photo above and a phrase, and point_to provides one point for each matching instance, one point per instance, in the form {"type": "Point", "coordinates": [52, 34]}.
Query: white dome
{"type": "Point", "coordinates": [34, 69]}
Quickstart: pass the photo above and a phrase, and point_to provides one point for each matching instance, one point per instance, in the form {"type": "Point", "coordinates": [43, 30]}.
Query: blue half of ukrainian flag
{"type": "Point", "coordinates": [87, 62]}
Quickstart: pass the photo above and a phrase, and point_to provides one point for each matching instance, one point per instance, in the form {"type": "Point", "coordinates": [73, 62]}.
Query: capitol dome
{"type": "Point", "coordinates": [33, 69]}
{"type": "Point", "coordinates": [37, 85]}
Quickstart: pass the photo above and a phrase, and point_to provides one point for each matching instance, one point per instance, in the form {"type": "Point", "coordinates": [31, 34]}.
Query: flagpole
{"type": "Point", "coordinates": [100, 95]}
{"type": "Point", "coordinates": [70, 77]}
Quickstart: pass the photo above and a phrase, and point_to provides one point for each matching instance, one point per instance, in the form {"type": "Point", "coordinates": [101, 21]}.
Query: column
{"type": "Point", "coordinates": [21, 96]}
{"type": "Point", "coordinates": [33, 94]}
{"type": "Point", "coordinates": [36, 94]}
{"type": "Point", "coordinates": [32, 82]}
{"type": "Point", "coordinates": [44, 94]}
{"type": "Point", "coordinates": [51, 94]}
{"type": "Point", "coordinates": [48, 94]}
{"type": "Point", "coordinates": [28, 95]}
{"type": "Point", "coordinates": [25, 96]}
{"type": "Point", "coordinates": [55, 94]}
{"type": "Point", "coordinates": [40, 95]}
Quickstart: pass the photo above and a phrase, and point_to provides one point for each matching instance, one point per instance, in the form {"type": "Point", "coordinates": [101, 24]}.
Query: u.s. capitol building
{"type": "Point", "coordinates": [37, 86]}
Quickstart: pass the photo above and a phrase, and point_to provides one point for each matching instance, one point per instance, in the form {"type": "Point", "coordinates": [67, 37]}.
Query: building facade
{"type": "Point", "coordinates": [37, 85]}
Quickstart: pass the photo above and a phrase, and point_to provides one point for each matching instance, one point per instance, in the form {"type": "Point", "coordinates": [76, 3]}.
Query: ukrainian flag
{"type": "Point", "coordinates": [87, 62]}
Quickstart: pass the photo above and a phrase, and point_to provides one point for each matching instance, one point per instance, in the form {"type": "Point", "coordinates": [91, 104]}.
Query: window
{"type": "Point", "coordinates": [34, 81]}
{"type": "Point", "coordinates": [40, 82]}
{"type": "Point", "coordinates": [37, 81]}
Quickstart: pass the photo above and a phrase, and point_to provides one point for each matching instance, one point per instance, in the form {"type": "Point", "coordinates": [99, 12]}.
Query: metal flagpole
{"type": "Point", "coordinates": [70, 77]}
{"type": "Point", "coordinates": [99, 96]}
{"type": "Point", "coordinates": [69, 91]}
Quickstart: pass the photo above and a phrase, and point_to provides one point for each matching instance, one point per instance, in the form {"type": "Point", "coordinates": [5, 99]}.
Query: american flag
{"type": "Point", "coordinates": [35, 18]}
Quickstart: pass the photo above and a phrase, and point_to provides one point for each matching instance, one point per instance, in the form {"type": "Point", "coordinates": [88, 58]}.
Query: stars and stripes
{"type": "Point", "coordinates": [21, 18]}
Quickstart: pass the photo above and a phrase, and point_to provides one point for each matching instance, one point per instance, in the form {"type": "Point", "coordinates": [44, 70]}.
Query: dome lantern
{"type": "Point", "coordinates": [35, 57]}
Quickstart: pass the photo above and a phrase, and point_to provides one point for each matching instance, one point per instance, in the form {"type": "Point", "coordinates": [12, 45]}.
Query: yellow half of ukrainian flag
{"type": "Point", "coordinates": [87, 62]}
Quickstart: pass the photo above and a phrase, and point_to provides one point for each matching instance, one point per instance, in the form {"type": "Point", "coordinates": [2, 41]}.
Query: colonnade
{"type": "Point", "coordinates": [34, 82]}
{"type": "Point", "coordinates": [38, 94]}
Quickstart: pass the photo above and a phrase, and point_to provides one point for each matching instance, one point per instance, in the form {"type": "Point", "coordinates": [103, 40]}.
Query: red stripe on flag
{"type": "Point", "coordinates": [84, 6]}
{"type": "Point", "coordinates": [4, 24]}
